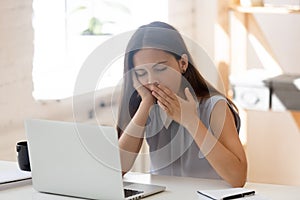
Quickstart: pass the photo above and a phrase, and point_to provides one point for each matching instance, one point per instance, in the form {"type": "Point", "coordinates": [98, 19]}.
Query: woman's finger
{"type": "Point", "coordinates": [167, 91]}
{"type": "Point", "coordinates": [165, 108]}
{"type": "Point", "coordinates": [162, 99]}
{"type": "Point", "coordinates": [165, 95]}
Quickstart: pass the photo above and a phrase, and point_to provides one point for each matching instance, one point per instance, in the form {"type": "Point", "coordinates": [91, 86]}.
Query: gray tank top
{"type": "Point", "coordinates": [173, 151]}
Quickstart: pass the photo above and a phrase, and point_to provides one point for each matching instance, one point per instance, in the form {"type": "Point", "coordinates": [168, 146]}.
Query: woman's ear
{"type": "Point", "coordinates": [183, 63]}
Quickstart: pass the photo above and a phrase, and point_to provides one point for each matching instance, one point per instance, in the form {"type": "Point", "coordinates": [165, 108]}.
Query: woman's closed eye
{"type": "Point", "coordinates": [160, 67]}
{"type": "Point", "coordinates": [140, 72]}
{"type": "Point", "coordinates": [157, 68]}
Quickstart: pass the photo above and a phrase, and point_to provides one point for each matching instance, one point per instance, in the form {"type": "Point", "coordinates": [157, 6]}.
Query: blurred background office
{"type": "Point", "coordinates": [44, 43]}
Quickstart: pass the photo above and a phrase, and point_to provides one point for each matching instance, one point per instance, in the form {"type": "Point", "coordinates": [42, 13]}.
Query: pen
{"type": "Point", "coordinates": [239, 195]}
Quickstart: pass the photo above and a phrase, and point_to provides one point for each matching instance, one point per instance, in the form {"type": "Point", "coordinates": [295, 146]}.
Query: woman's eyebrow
{"type": "Point", "coordinates": [155, 64]}
{"type": "Point", "coordinates": [161, 62]}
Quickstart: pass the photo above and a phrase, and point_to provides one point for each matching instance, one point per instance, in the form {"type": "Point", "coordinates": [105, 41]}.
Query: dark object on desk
{"type": "Point", "coordinates": [260, 90]}
{"type": "Point", "coordinates": [285, 92]}
{"type": "Point", "coordinates": [23, 157]}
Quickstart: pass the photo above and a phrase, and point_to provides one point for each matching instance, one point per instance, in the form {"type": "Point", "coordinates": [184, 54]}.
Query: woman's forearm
{"type": "Point", "coordinates": [131, 139]}
{"type": "Point", "coordinates": [231, 167]}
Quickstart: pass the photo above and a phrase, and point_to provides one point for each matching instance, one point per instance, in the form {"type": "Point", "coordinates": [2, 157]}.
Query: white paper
{"type": "Point", "coordinates": [10, 172]}
{"type": "Point", "coordinates": [222, 193]}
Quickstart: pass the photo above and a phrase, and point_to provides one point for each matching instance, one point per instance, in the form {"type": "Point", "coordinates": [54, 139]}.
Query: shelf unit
{"type": "Point", "coordinates": [244, 13]}
{"type": "Point", "coordinates": [264, 10]}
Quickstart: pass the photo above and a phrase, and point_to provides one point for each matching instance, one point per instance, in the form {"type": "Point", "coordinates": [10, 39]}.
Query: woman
{"type": "Point", "coordinates": [190, 127]}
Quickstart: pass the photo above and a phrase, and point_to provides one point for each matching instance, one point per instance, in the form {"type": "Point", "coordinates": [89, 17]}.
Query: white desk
{"type": "Point", "coordinates": [177, 188]}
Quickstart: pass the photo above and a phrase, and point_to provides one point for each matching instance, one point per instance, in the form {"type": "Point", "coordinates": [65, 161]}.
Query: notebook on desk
{"type": "Point", "coordinates": [10, 173]}
{"type": "Point", "coordinates": [79, 160]}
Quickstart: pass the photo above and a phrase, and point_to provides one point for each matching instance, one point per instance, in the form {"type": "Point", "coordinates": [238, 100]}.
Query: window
{"type": "Point", "coordinates": [66, 32]}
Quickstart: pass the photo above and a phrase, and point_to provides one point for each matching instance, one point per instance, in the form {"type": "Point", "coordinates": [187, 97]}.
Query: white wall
{"type": "Point", "coordinates": [273, 148]}
{"type": "Point", "coordinates": [282, 33]}
{"type": "Point", "coordinates": [16, 39]}
{"type": "Point", "coordinates": [16, 101]}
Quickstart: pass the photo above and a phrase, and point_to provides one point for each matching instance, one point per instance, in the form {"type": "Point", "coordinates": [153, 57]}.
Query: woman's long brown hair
{"type": "Point", "coordinates": [162, 36]}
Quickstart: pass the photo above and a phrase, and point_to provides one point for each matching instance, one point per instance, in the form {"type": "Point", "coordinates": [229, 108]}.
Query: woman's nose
{"type": "Point", "coordinates": [152, 78]}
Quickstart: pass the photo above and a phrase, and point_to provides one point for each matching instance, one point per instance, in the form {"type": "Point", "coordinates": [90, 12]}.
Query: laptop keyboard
{"type": "Point", "coordinates": [129, 192]}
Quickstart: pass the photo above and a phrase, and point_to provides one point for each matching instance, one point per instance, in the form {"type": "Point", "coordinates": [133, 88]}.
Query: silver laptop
{"type": "Point", "coordinates": [79, 160]}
